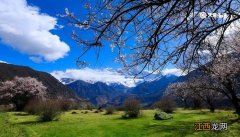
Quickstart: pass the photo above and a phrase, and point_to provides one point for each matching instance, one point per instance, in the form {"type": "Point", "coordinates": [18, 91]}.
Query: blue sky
{"type": "Point", "coordinates": [52, 8]}
{"type": "Point", "coordinates": [31, 34]}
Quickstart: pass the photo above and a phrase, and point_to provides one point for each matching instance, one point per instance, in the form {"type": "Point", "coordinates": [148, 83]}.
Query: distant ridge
{"type": "Point", "coordinates": [115, 93]}
{"type": "Point", "coordinates": [90, 91]}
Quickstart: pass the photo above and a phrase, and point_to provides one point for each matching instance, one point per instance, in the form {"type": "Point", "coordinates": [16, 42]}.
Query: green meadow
{"type": "Point", "coordinates": [19, 124]}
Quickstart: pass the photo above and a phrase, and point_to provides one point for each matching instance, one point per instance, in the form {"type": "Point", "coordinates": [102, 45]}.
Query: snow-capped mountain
{"type": "Point", "coordinates": [115, 93]}
{"type": "Point", "coordinates": [66, 81]}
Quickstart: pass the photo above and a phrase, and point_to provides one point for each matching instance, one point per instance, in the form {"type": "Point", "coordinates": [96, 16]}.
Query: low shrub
{"type": "Point", "coordinates": [100, 109]}
{"type": "Point", "coordinates": [9, 107]}
{"type": "Point", "coordinates": [131, 108]}
{"type": "Point", "coordinates": [65, 105]}
{"type": "Point", "coordinates": [74, 112]}
{"type": "Point", "coordinates": [119, 108]}
{"type": "Point", "coordinates": [166, 104]}
{"type": "Point", "coordinates": [87, 106]}
{"type": "Point", "coordinates": [33, 106]}
{"type": "Point", "coordinates": [110, 110]}
{"type": "Point", "coordinates": [49, 110]}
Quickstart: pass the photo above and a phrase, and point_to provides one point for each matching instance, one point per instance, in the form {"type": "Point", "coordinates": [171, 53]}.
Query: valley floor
{"type": "Point", "coordinates": [15, 124]}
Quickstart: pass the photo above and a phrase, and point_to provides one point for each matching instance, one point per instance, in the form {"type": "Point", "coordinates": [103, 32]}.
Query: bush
{"type": "Point", "coordinates": [100, 109]}
{"type": "Point", "coordinates": [65, 105]}
{"type": "Point", "coordinates": [132, 108]}
{"type": "Point", "coordinates": [162, 116]}
{"type": "Point", "coordinates": [32, 106]}
{"type": "Point", "coordinates": [166, 104]}
{"type": "Point", "coordinates": [35, 105]}
{"type": "Point", "coordinates": [5, 108]}
{"type": "Point", "coordinates": [49, 110]}
{"type": "Point", "coordinates": [110, 110]}
{"type": "Point", "coordinates": [74, 112]}
{"type": "Point", "coordinates": [119, 108]}
{"type": "Point", "coordinates": [75, 106]}
{"type": "Point", "coordinates": [87, 106]}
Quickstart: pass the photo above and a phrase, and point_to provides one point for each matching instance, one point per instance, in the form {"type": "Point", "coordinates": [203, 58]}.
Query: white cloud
{"type": "Point", "coordinates": [167, 71]}
{"type": "Point", "coordinates": [1, 61]}
{"type": "Point", "coordinates": [27, 30]}
{"type": "Point", "coordinates": [173, 71]}
{"type": "Point", "coordinates": [94, 75]}
{"type": "Point", "coordinates": [204, 52]}
{"type": "Point", "coordinates": [36, 59]}
{"type": "Point", "coordinates": [232, 28]}
{"type": "Point", "coordinates": [107, 75]}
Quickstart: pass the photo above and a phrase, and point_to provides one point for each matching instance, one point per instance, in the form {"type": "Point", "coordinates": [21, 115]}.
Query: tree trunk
{"type": "Point", "coordinates": [196, 104]}
{"type": "Point", "coordinates": [185, 104]}
{"type": "Point", "coordinates": [212, 108]}
{"type": "Point", "coordinates": [236, 104]}
{"type": "Point", "coordinates": [233, 98]}
{"type": "Point", "coordinates": [209, 101]}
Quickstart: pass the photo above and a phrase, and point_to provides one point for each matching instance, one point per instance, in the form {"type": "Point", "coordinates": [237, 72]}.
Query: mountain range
{"type": "Point", "coordinates": [148, 92]}
{"type": "Point", "coordinates": [95, 92]}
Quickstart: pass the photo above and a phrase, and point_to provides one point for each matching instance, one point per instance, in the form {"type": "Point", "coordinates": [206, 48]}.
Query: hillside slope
{"type": "Point", "coordinates": [54, 87]}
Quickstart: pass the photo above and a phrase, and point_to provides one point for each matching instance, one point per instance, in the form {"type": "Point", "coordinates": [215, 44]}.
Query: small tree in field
{"type": "Point", "coordinates": [166, 104]}
{"type": "Point", "coordinates": [20, 90]}
{"type": "Point", "coordinates": [110, 110]}
{"type": "Point", "coordinates": [132, 108]}
{"type": "Point", "coordinates": [38, 106]}
{"type": "Point", "coordinates": [49, 110]}
{"type": "Point", "coordinates": [32, 107]}
{"type": "Point", "coordinates": [46, 109]}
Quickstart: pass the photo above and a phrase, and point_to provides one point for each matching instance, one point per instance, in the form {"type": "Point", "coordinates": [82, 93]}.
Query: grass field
{"type": "Point", "coordinates": [15, 124]}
